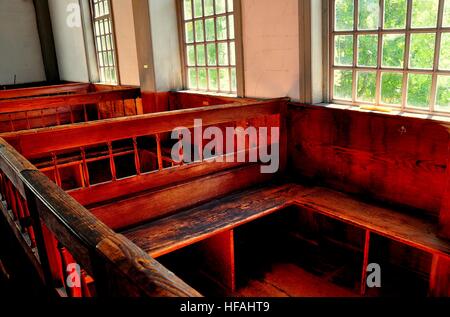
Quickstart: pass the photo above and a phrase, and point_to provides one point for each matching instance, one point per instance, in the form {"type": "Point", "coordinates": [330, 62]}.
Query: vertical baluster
{"type": "Point", "coordinates": [99, 115]}
{"type": "Point", "coordinates": [20, 211]}
{"type": "Point", "coordinates": [86, 119]}
{"type": "Point", "coordinates": [87, 181]}
{"type": "Point", "coordinates": [111, 162]}
{"type": "Point", "coordinates": [124, 109]}
{"type": "Point", "coordinates": [11, 123]}
{"type": "Point", "coordinates": [135, 107]}
{"type": "Point", "coordinates": [28, 120]}
{"type": "Point", "coordinates": [72, 118]}
{"type": "Point", "coordinates": [56, 170]}
{"type": "Point", "coordinates": [58, 119]}
{"type": "Point", "coordinates": [30, 228]}
{"type": "Point", "coordinates": [12, 202]}
{"type": "Point", "coordinates": [42, 118]}
{"type": "Point", "coordinates": [159, 152]}
{"type": "Point", "coordinates": [2, 185]}
{"type": "Point", "coordinates": [137, 160]}
{"type": "Point", "coordinates": [86, 292]}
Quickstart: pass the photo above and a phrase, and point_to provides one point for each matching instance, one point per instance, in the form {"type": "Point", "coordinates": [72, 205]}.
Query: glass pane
{"type": "Point", "coordinates": [369, 14]}
{"type": "Point", "coordinates": [444, 59]}
{"type": "Point", "coordinates": [424, 13]}
{"type": "Point", "coordinates": [393, 50]}
{"type": "Point", "coordinates": [221, 28]}
{"type": "Point", "coordinates": [343, 53]}
{"type": "Point", "coordinates": [201, 58]}
{"type": "Point", "coordinates": [344, 15]}
{"type": "Point", "coordinates": [367, 50]}
{"type": "Point", "coordinates": [189, 32]}
{"type": "Point", "coordinates": [223, 54]}
{"type": "Point", "coordinates": [212, 56]}
{"type": "Point", "coordinates": [198, 8]}
{"type": "Point", "coordinates": [224, 76]}
{"type": "Point", "coordinates": [421, 53]}
{"type": "Point", "coordinates": [232, 54]}
{"type": "Point", "coordinates": [446, 20]}
{"type": "Point", "coordinates": [220, 6]}
{"type": "Point", "coordinates": [202, 81]}
{"type": "Point", "coordinates": [366, 86]}
{"type": "Point", "coordinates": [230, 6]}
{"type": "Point", "coordinates": [343, 84]}
{"type": "Point", "coordinates": [391, 88]}
{"type": "Point", "coordinates": [190, 50]}
{"type": "Point", "coordinates": [419, 90]}
{"type": "Point", "coordinates": [210, 31]}
{"type": "Point", "coordinates": [233, 80]}
{"type": "Point", "coordinates": [395, 14]}
{"type": "Point", "coordinates": [209, 7]}
{"type": "Point", "coordinates": [231, 26]}
{"type": "Point", "coordinates": [213, 84]}
{"type": "Point", "coordinates": [199, 36]}
{"type": "Point", "coordinates": [443, 93]}
{"type": "Point", "coordinates": [187, 9]}
{"type": "Point", "coordinates": [192, 78]}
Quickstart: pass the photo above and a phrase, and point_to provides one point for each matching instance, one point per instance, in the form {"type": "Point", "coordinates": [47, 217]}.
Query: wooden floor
{"type": "Point", "coordinates": [289, 280]}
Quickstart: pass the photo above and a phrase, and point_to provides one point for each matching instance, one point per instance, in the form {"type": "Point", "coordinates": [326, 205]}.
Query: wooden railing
{"type": "Point", "coordinates": [38, 112]}
{"type": "Point", "coordinates": [63, 89]}
{"type": "Point", "coordinates": [58, 234]}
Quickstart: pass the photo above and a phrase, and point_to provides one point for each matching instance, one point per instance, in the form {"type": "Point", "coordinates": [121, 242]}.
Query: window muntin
{"type": "Point", "coordinates": [209, 45]}
{"type": "Point", "coordinates": [391, 53]}
{"type": "Point", "coordinates": [104, 41]}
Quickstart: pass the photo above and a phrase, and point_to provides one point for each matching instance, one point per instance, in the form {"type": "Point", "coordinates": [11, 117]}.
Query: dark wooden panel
{"type": "Point", "coordinates": [394, 159]}
{"type": "Point", "coordinates": [175, 232]}
{"type": "Point", "coordinates": [154, 205]}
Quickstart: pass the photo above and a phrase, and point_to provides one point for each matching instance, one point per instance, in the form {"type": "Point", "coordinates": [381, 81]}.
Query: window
{"type": "Point", "coordinates": [391, 53]}
{"type": "Point", "coordinates": [104, 41]}
{"type": "Point", "coordinates": [209, 45]}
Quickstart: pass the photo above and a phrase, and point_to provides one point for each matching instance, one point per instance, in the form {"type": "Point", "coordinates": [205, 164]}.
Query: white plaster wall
{"type": "Point", "coordinates": [69, 43]}
{"type": "Point", "coordinates": [271, 48]}
{"type": "Point", "coordinates": [126, 42]}
{"type": "Point", "coordinates": [316, 51]}
{"type": "Point", "coordinates": [20, 48]}
{"type": "Point", "coordinates": [166, 52]}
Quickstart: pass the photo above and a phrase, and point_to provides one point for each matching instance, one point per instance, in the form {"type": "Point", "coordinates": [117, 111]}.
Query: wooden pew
{"type": "Point", "coordinates": [37, 112]}
{"type": "Point", "coordinates": [53, 90]}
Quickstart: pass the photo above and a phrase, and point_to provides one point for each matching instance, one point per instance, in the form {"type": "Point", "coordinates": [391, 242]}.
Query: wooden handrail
{"type": "Point", "coordinates": [40, 103]}
{"type": "Point", "coordinates": [118, 266]}
{"type": "Point", "coordinates": [33, 143]}
{"type": "Point", "coordinates": [44, 90]}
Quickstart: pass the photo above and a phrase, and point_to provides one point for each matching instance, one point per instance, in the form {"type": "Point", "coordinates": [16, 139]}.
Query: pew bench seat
{"type": "Point", "coordinates": [169, 234]}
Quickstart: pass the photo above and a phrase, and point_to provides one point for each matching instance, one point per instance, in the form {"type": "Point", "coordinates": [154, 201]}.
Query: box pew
{"type": "Point", "coordinates": [36, 112]}
{"type": "Point", "coordinates": [55, 231]}
{"type": "Point", "coordinates": [45, 91]}
{"type": "Point", "coordinates": [228, 229]}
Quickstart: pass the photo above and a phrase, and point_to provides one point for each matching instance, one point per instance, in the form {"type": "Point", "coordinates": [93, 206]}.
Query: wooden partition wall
{"type": "Point", "coordinates": [55, 230]}
{"type": "Point", "coordinates": [67, 104]}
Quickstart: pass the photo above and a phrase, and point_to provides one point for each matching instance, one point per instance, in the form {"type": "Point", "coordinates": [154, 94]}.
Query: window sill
{"type": "Point", "coordinates": [208, 93]}
{"type": "Point", "coordinates": [393, 112]}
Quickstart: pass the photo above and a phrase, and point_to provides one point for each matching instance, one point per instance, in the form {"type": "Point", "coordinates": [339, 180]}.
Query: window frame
{"type": "Point", "coordinates": [94, 19]}
{"type": "Point", "coordinates": [237, 12]}
{"type": "Point", "coordinates": [329, 60]}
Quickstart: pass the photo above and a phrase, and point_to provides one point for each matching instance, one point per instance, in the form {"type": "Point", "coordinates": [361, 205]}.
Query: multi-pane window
{"type": "Point", "coordinates": [104, 41]}
{"type": "Point", "coordinates": [391, 52]}
{"type": "Point", "coordinates": [209, 45]}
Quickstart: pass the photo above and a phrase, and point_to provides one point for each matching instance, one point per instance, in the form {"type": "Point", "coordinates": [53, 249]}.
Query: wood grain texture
{"type": "Point", "coordinates": [220, 215]}
{"type": "Point", "coordinates": [389, 158]}
{"type": "Point", "coordinates": [193, 225]}
{"type": "Point", "coordinates": [160, 203]}
{"type": "Point", "coordinates": [45, 90]}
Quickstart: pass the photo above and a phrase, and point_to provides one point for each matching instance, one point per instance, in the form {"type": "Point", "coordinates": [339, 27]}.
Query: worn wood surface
{"type": "Point", "coordinates": [160, 203]}
{"type": "Point", "coordinates": [393, 159]}
{"type": "Point", "coordinates": [37, 142]}
{"type": "Point", "coordinates": [71, 88]}
{"type": "Point", "coordinates": [196, 224]}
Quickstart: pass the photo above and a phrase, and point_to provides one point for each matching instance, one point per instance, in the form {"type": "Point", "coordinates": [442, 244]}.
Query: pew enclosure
{"type": "Point", "coordinates": [140, 221]}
